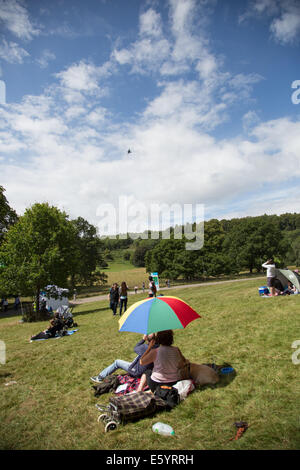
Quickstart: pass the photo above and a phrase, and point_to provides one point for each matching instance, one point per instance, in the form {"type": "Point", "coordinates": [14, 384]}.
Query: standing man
{"type": "Point", "coordinates": [271, 275]}
{"type": "Point", "coordinates": [114, 297]}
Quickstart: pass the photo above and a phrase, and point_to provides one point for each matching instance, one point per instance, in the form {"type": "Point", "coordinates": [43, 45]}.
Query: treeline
{"type": "Point", "coordinates": [45, 247]}
{"type": "Point", "coordinates": [230, 246]}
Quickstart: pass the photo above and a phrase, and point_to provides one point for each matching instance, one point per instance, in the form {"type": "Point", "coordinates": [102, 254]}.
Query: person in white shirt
{"type": "Point", "coordinates": [271, 275]}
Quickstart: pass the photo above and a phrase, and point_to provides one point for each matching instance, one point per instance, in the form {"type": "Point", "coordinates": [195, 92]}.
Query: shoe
{"type": "Point", "coordinates": [96, 379]}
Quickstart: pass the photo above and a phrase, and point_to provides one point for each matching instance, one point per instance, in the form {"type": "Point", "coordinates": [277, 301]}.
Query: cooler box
{"type": "Point", "coordinates": [264, 290]}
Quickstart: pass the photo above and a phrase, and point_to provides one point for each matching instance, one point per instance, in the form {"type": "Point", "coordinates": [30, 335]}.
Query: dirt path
{"type": "Point", "coordinates": [203, 284]}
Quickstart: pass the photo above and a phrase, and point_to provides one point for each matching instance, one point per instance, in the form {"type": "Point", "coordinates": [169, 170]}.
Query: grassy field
{"type": "Point", "coordinates": [52, 405]}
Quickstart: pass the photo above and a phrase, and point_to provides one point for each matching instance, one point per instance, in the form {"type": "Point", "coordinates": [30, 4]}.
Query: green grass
{"type": "Point", "coordinates": [52, 406]}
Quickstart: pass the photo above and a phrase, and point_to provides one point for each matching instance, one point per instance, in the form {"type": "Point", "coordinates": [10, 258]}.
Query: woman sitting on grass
{"type": "Point", "coordinates": [166, 359]}
{"type": "Point", "coordinates": [56, 324]}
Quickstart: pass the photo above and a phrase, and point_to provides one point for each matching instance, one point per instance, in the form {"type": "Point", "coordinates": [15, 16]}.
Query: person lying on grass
{"type": "Point", "coordinates": [134, 368]}
{"type": "Point", "coordinates": [56, 324]}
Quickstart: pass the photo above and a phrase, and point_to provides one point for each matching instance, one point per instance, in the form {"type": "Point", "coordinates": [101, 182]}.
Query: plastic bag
{"type": "Point", "coordinates": [184, 387]}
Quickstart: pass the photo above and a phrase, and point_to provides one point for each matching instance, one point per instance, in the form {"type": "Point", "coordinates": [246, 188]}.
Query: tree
{"type": "Point", "coordinates": [38, 250]}
{"type": "Point", "coordinates": [8, 216]}
{"type": "Point", "coordinates": [292, 239]}
{"type": "Point", "coordinates": [141, 248]}
{"type": "Point", "coordinates": [253, 240]}
{"type": "Point", "coordinates": [88, 250]}
{"type": "Point", "coordinates": [161, 258]}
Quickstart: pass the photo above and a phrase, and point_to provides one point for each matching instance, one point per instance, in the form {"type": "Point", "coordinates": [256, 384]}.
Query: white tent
{"type": "Point", "coordinates": [55, 297]}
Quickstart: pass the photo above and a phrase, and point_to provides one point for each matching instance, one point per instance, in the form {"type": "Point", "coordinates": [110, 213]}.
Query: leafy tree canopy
{"type": "Point", "coordinates": [8, 216]}
{"type": "Point", "coordinates": [40, 249]}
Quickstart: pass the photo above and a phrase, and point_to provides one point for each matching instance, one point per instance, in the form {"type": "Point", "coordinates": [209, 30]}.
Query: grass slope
{"type": "Point", "coordinates": [52, 406]}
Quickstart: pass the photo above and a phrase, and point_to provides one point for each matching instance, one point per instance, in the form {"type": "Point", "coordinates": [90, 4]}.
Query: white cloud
{"type": "Point", "coordinates": [15, 18]}
{"type": "Point", "coordinates": [67, 141]}
{"type": "Point", "coordinates": [80, 77]}
{"type": "Point", "coordinates": [45, 58]}
{"type": "Point", "coordinates": [286, 28]}
{"type": "Point", "coordinates": [12, 52]}
{"type": "Point", "coordinates": [168, 55]}
{"type": "Point", "coordinates": [85, 164]}
{"type": "Point", "coordinates": [285, 14]}
{"type": "Point", "coordinates": [150, 23]}
{"type": "Point", "coordinates": [250, 119]}
{"type": "Point", "coordinates": [83, 77]}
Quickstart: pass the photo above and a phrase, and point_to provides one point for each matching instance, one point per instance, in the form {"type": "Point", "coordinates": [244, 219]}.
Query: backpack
{"type": "Point", "coordinates": [169, 394]}
{"type": "Point", "coordinates": [108, 384]}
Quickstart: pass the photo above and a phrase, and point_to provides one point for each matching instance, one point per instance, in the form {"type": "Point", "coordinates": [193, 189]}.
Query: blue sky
{"type": "Point", "coordinates": [199, 90]}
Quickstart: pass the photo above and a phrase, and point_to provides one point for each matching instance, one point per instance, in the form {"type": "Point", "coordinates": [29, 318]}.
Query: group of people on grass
{"type": "Point", "coordinates": [118, 295]}
{"type": "Point", "coordinates": [157, 362]}
{"type": "Point", "coordinates": [274, 284]}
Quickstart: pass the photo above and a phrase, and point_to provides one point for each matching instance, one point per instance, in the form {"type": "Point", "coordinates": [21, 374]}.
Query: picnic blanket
{"type": "Point", "coordinates": [128, 384]}
{"type": "Point", "coordinates": [68, 333]}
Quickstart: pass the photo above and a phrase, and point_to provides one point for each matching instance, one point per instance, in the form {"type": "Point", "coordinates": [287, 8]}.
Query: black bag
{"type": "Point", "coordinates": [169, 394]}
{"type": "Point", "coordinates": [108, 384]}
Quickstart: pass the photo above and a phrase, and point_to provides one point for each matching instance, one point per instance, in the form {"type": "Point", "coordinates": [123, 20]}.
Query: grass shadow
{"type": "Point", "coordinates": [225, 379]}
{"type": "Point", "coordinates": [79, 314]}
{"type": "Point", "coordinates": [10, 313]}
{"type": "Point", "coordinates": [5, 374]}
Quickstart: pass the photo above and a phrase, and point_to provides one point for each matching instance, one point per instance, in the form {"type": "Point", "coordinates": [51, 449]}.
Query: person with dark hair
{"type": "Point", "coordinates": [269, 265]}
{"type": "Point", "coordinates": [166, 359]}
{"type": "Point", "coordinates": [152, 287]}
{"type": "Point", "coordinates": [114, 297]}
{"type": "Point", "coordinates": [123, 297]}
{"type": "Point", "coordinates": [56, 325]}
{"type": "Point", "coordinates": [290, 289]}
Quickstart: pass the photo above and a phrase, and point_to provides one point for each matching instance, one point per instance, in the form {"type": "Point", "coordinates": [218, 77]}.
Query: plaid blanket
{"type": "Point", "coordinates": [132, 384]}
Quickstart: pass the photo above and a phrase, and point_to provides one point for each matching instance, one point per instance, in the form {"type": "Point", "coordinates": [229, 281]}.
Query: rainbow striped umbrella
{"type": "Point", "coordinates": [157, 314]}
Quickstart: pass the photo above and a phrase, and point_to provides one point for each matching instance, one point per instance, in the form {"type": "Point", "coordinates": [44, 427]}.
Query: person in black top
{"type": "Point", "coordinates": [114, 298]}
{"type": "Point", "coordinates": [56, 324]}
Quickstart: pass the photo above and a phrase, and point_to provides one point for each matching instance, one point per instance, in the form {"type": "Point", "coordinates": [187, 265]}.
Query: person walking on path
{"type": "Point", "coordinates": [123, 297]}
{"type": "Point", "coordinates": [269, 265]}
{"type": "Point", "coordinates": [114, 297]}
{"type": "Point", "coordinates": [152, 287]}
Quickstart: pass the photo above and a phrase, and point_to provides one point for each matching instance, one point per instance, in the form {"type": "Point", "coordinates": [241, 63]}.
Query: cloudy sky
{"type": "Point", "coordinates": [200, 91]}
